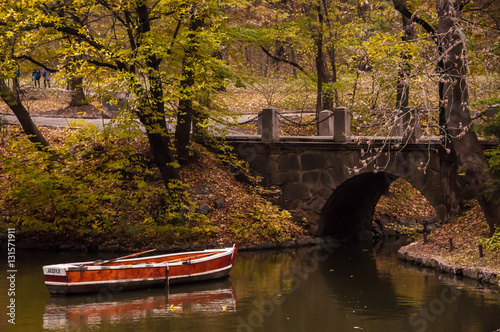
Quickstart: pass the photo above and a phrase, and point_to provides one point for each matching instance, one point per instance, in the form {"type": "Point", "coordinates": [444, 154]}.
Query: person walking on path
{"type": "Point", "coordinates": [46, 78]}
{"type": "Point", "coordinates": [36, 77]}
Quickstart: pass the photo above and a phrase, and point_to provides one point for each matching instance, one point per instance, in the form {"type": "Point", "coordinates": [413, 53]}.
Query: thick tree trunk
{"type": "Point", "coordinates": [152, 115]}
{"type": "Point", "coordinates": [321, 73]}
{"type": "Point", "coordinates": [448, 171]}
{"type": "Point", "coordinates": [160, 144]}
{"type": "Point", "coordinates": [11, 98]}
{"type": "Point", "coordinates": [456, 105]}
{"type": "Point", "coordinates": [77, 94]}
{"type": "Point", "coordinates": [152, 112]}
{"type": "Point", "coordinates": [153, 119]}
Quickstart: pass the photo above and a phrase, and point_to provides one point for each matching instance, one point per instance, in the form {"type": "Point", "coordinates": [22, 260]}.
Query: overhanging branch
{"type": "Point", "coordinates": [401, 7]}
{"type": "Point", "coordinates": [292, 63]}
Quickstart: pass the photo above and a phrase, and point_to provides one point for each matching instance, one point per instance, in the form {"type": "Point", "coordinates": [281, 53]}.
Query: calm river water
{"type": "Point", "coordinates": [334, 288]}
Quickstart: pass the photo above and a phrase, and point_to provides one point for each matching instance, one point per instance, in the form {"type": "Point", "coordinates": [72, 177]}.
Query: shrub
{"type": "Point", "coordinates": [493, 129]}
{"type": "Point", "coordinates": [101, 185]}
{"type": "Point", "coordinates": [265, 223]}
{"type": "Point", "coordinates": [492, 243]}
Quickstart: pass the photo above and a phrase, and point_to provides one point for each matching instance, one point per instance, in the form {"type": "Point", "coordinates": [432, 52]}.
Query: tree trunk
{"type": "Point", "coordinates": [403, 84]}
{"type": "Point", "coordinates": [77, 94]}
{"type": "Point", "coordinates": [152, 116]}
{"type": "Point", "coordinates": [332, 95]}
{"type": "Point", "coordinates": [330, 50]}
{"type": "Point", "coordinates": [160, 143]}
{"type": "Point", "coordinates": [11, 98]}
{"type": "Point", "coordinates": [152, 111]}
{"type": "Point", "coordinates": [455, 100]}
{"type": "Point", "coordinates": [324, 100]}
{"type": "Point", "coordinates": [185, 112]}
{"type": "Point", "coordinates": [448, 171]}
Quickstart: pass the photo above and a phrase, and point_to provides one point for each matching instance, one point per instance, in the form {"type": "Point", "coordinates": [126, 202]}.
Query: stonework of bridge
{"type": "Point", "coordinates": [324, 179]}
{"type": "Point", "coordinates": [317, 179]}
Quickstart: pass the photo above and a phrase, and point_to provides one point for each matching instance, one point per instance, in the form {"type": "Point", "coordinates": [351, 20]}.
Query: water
{"type": "Point", "coordinates": [346, 288]}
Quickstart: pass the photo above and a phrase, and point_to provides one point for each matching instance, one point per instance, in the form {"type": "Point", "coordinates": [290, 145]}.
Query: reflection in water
{"type": "Point", "coordinates": [361, 287]}
{"type": "Point", "coordinates": [349, 288]}
{"type": "Point", "coordinates": [207, 298]}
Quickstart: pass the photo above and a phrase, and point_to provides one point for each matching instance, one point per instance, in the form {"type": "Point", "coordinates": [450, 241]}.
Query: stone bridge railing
{"type": "Point", "coordinates": [323, 178]}
{"type": "Point", "coordinates": [337, 124]}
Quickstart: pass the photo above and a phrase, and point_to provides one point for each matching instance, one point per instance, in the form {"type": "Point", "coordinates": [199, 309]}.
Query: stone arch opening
{"type": "Point", "coordinates": [349, 211]}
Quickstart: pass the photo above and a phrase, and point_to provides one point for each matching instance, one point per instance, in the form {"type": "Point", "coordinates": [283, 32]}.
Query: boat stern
{"type": "Point", "coordinates": [57, 270]}
{"type": "Point", "coordinates": [55, 276]}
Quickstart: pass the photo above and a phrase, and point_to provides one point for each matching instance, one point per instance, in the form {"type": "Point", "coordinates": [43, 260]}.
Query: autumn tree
{"type": "Point", "coordinates": [454, 103]}
{"type": "Point", "coordinates": [10, 93]}
{"type": "Point", "coordinates": [202, 70]}
{"type": "Point", "coordinates": [328, 41]}
{"type": "Point", "coordinates": [144, 46]}
{"type": "Point", "coordinates": [305, 28]}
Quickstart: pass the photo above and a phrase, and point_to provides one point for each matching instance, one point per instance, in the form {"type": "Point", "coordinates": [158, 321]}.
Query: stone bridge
{"type": "Point", "coordinates": [326, 180]}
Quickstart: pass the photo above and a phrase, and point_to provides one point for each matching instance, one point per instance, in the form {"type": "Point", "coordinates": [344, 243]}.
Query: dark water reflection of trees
{"type": "Point", "coordinates": [334, 288]}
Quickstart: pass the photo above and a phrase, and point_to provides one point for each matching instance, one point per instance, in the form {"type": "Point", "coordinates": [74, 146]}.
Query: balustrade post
{"type": "Point", "coordinates": [411, 124]}
{"type": "Point", "coordinates": [342, 124]}
{"type": "Point", "coordinates": [325, 127]}
{"type": "Point", "coordinates": [398, 127]}
{"type": "Point", "coordinates": [268, 119]}
{"type": "Point", "coordinates": [491, 112]}
{"type": "Point", "coordinates": [259, 124]}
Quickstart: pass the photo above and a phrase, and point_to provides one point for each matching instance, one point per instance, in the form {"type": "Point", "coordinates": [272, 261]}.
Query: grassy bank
{"type": "Point", "coordinates": [103, 189]}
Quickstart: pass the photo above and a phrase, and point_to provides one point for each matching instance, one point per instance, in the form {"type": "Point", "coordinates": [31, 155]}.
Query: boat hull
{"type": "Point", "coordinates": [139, 273]}
{"type": "Point", "coordinates": [106, 279]}
{"type": "Point", "coordinates": [64, 290]}
{"type": "Point", "coordinates": [224, 273]}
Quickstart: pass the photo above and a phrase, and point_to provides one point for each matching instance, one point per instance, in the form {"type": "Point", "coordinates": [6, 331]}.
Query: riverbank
{"type": "Point", "coordinates": [454, 248]}
{"type": "Point", "coordinates": [105, 193]}
{"type": "Point", "coordinates": [101, 199]}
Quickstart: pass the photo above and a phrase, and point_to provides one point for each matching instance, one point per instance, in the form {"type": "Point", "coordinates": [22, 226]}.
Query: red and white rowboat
{"type": "Point", "coordinates": [138, 273]}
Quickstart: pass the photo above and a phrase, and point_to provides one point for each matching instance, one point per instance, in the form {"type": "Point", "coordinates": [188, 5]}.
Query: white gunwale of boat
{"type": "Point", "coordinates": [217, 253]}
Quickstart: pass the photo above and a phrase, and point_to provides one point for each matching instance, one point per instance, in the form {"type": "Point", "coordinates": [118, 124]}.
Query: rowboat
{"type": "Point", "coordinates": [127, 273]}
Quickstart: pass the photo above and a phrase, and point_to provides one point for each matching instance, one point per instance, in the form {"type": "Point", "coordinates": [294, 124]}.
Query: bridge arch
{"type": "Point", "coordinates": [316, 180]}
{"type": "Point", "coordinates": [349, 210]}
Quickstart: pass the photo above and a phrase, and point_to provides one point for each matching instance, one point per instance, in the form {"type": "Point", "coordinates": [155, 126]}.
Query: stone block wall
{"type": "Point", "coordinates": [308, 173]}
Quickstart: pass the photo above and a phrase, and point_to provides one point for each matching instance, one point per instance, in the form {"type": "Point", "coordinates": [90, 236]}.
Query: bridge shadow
{"type": "Point", "coordinates": [349, 211]}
